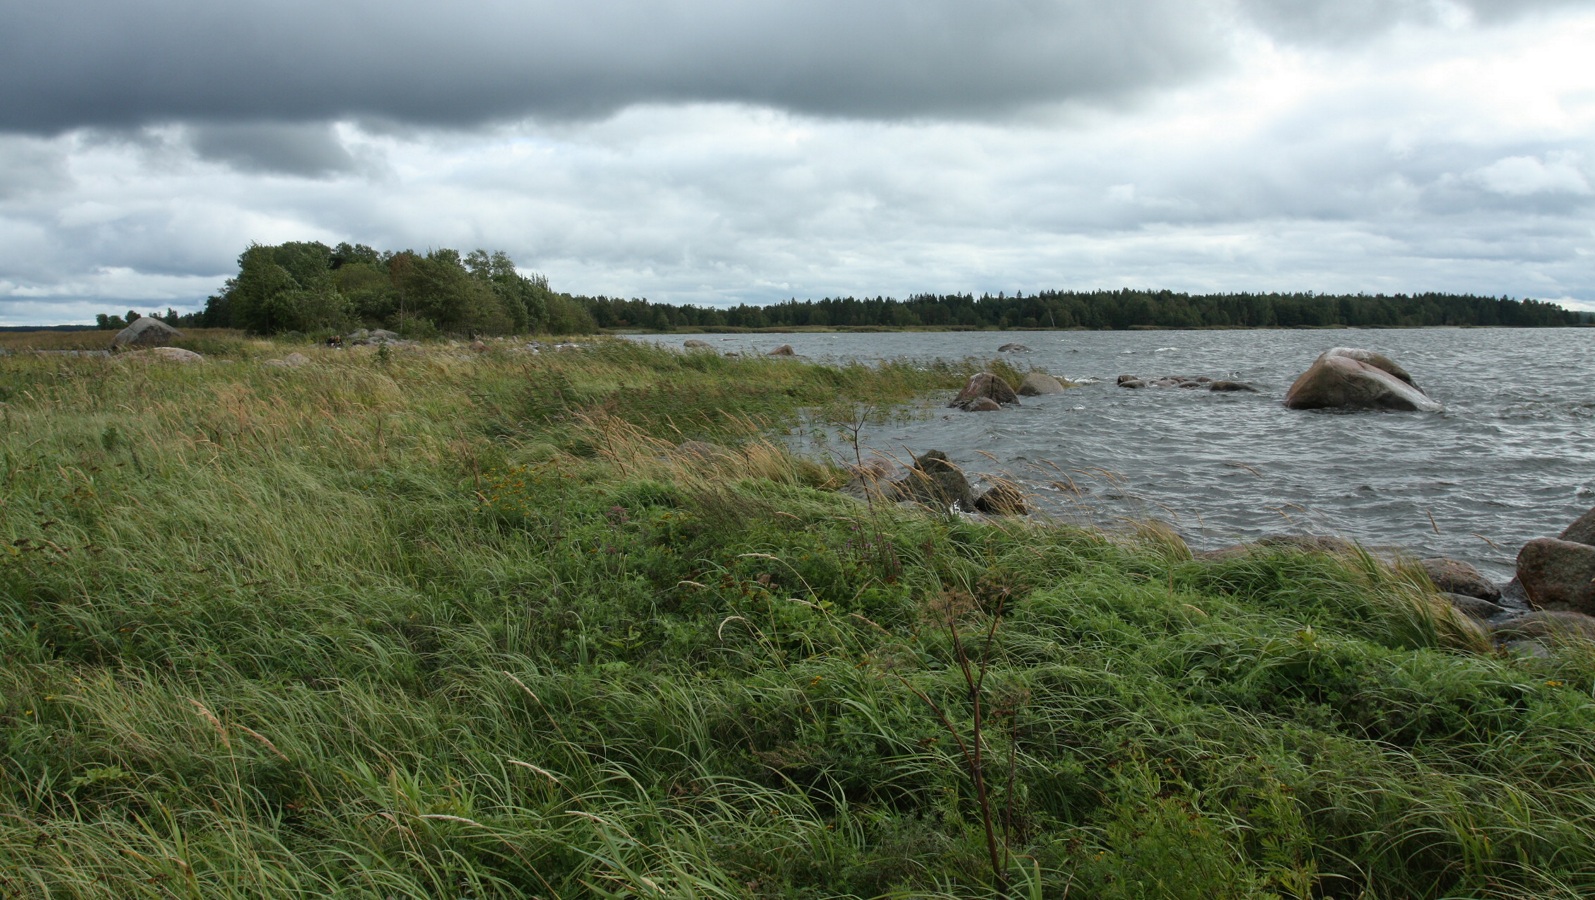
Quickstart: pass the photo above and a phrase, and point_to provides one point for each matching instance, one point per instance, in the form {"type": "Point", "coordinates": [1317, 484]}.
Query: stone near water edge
{"type": "Point", "coordinates": [1002, 499]}
{"type": "Point", "coordinates": [981, 404]}
{"type": "Point", "coordinates": [1301, 543]}
{"type": "Point", "coordinates": [1452, 576]}
{"type": "Point", "coordinates": [147, 331]}
{"type": "Point", "coordinates": [985, 385]}
{"type": "Point", "coordinates": [783, 350]}
{"type": "Point", "coordinates": [1348, 378]}
{"type": "Point", "coordinates": [1037, 384]}
{"type": "Point", "coordinates": [1013, 348]}
{"type": "Point", "coordinates": [1582, 531]}
{"type": "Point", "coordinates": [936, 482]}
{"type": "Point", "coordinates": [1474, 608]}
{"type": "Point", "coordinates": [695, 344]}
{"type": "Point", "coordinates": [1558, 575]}
{"type": "Point", "coordinates": [1545, 623]}
{"type": "Point", "coordinates": [1231, 387]}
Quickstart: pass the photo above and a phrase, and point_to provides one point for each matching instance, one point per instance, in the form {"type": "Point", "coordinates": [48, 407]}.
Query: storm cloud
{"type": "Point", "coordinates": [109, 63]}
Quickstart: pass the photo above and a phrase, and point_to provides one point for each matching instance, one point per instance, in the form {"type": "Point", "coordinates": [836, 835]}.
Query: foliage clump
{"type": "Point", "coordinates": [308, 287]}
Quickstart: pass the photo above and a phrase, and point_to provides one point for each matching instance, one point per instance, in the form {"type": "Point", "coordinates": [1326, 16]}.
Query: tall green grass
{"type": "Point", "coordinates": [444, 623]}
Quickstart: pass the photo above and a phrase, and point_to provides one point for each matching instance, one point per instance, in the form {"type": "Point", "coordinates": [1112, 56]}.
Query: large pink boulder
{"type": "Point", "coordinates": [1558, 574]}
{"type": "Point", "coordinates": [1348, 378]}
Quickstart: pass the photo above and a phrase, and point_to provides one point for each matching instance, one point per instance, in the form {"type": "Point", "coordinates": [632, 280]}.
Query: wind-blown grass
{"type": "Point", "coordinates": [442, 623]}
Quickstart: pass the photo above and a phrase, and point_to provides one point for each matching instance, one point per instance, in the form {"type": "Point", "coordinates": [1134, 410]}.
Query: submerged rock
{"type": "Point", "coordinates": [1349, 378]}
{"type": "Point", "coordinates": [695, 344]}
{"type": "Point", "coordinates": [1013, 348]}
{"type": "Point", "coordinates": [1038, 383]}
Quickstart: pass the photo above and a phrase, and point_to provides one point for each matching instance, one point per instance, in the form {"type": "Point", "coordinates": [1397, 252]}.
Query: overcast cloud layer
{"type": "Point", "coordinates": [723, 151]}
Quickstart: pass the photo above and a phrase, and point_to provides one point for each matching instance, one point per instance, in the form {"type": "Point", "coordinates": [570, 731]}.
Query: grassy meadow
{"type": "Point", "coordinates": [429, 622]}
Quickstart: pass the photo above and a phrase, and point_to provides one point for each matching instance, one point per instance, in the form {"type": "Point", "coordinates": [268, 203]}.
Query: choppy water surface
{"type": "Point", "coordinates": [1511, 458]}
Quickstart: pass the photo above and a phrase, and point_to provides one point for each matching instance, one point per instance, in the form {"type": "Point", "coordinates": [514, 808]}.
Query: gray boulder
{"type": "Point", "coordinates": [695, 344]}
{"type": "Point", "coordinates": [1038, 383]}
{"type": "Point", "coordinates": [985, 386]}
{"type": "Point", "coordinates": [1348, 378]}
{"type": "Point", "coordinates": [1452, 576]}
{"type": "Point", "coordinates": [1558, 574]}
{"type": "Point", "coordinates": [145, 332]}
{"type": "Point", "coordinates": [1013, 348]}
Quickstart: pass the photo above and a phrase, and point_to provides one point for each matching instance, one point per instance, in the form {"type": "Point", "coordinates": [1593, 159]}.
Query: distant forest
{"type": "Point", "coordinates": [308, 287]}
{"type": "Point", "coordinates": [1098, 310]}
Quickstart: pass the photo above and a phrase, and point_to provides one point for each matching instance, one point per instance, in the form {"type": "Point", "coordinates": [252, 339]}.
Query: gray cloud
{"type": "Point", "coordinates": [309, 150]}
{"type": "Point", "coordinates": [1339, 21]}
{"type": "Point", "coordinates": [116, 63]}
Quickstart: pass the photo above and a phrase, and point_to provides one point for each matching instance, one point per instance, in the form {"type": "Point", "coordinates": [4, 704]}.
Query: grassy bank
{"type": "Point", "coordinates": [439, 623]}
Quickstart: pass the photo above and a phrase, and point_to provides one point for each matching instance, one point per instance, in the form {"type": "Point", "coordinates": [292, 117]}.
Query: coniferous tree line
{"type": "Point", "coordinates": [1098, 310]}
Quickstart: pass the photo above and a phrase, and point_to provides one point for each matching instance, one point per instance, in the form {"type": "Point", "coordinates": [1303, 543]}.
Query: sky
{"type": "Point", "coordinates": [718, 152]}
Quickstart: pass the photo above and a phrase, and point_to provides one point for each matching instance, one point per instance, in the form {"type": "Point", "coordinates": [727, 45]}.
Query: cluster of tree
{"type": "Point", "coordinates": [310, 287]}
{"type": "Point", "coordinates": [1098, 310]}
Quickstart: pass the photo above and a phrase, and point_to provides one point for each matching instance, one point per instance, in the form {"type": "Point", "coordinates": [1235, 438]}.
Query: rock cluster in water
{"type": "Point", "coordinates": [1189, 382]}
{"type": "Point", "coordinates": [985, 392]}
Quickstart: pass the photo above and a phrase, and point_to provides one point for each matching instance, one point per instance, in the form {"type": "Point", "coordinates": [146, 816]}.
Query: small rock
{"type": "Point", "coordinates": [1474, 607]}
{"type": "Point", "coordinates": [695, 344]}
{"type": "Point", "coordinates": [1002, 499]}
{"type": "Point", "coordinates": [1452, 576]}
{"type": "Point", "coordinates": [1132, 383]}
{"type": "Point", "coordinates": [1545, 623]}
{"type": "Point", "coordinates": [1013, 348]}
{"type": "Point", "coordinates": [1231, 386]}
{"type": "Point", "coordinates": [980, 404]}
{"type": "Point", "coordinates": [296, 360]}
{"type": "Point", "coordinates": [170, 354]}
{"type": "Point", "coordinates": [783, 350]}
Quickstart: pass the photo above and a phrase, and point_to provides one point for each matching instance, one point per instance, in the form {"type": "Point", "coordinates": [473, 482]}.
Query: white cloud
{"type": "Point", "coordinates": [1519, 176]}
